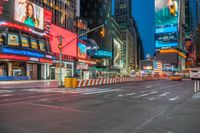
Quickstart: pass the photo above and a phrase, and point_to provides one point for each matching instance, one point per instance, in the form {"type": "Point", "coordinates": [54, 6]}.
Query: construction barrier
{"type": "Point", "coordinates": [74, 83]}
{"type": "Point", "coordinates": [68, 83]}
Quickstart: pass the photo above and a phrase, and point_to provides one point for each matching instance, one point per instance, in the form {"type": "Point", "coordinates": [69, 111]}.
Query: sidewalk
{"type": "Point", "coordinates": [28, 84]}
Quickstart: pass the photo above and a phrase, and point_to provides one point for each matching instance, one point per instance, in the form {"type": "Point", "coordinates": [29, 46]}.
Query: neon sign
{"type": "Point", "coordinates": [103, 53]}
{"type": "Point", "coordinates": [13, 57]}
{"type": "Point", "coordinates": [22, 52]}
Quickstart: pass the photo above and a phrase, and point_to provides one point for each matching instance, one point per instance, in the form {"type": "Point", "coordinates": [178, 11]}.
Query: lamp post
{"type": "Point", "coordinates": [61, 47]}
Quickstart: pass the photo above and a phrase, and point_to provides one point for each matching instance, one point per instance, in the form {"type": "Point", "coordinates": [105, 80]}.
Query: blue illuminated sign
{"type": "Point", "coordinates": [166, 37]}
{"type": "Point", "coordinates": [23, 52]}
{"type": "Point", "coordinates": [103, 53]}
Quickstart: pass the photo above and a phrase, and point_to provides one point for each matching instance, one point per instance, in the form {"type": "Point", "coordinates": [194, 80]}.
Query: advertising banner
{"type": "Point", "coordinates": [117, 54]}
{"type": "Point", "coordinates": [81, 50]}
{"type": "Point", "coordinates": [29, 13]}
{"type": "Point", "coordinates": [166, 23]}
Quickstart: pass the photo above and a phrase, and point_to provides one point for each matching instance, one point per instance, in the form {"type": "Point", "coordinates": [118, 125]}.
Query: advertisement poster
{"type": "Point", "coordinates": [81, 50]}
{"type": "Point", "coordinates": [24, 41]}
{"type": "Point", "coordinates": [166, 23]}
{"type": "Point", "coordinates": [117, 53]}
{"type": "Point", "coordinates": [29, 13]}
{"type": "Point", "coordinates": [13, 40]}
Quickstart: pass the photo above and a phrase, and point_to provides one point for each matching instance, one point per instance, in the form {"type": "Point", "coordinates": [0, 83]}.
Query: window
{"type": "Point", "coordinates": [34, 44]}
{"type": "Point", "coordinates": [13, 39]}
{"type": "Point", "coordinates": [42, 46]}
{"type": "Point", "coordinates": [24, 40]}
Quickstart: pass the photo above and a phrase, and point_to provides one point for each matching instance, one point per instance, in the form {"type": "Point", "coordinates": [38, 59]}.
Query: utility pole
{"type": "Point", "coordinates": [60, 66]}
{"type": "Point", "coordinates": [61, 47]}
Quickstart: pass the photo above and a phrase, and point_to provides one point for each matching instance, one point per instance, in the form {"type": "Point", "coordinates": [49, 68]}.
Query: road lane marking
{"type": "Point", "coordinates": [149, 86]}
{"type": "Point", "coordinates": [146, 94]}
{"type": "Point", "coordinates": [99, 91]}
{"type": "Point", "coordinates": [160, 96]}
{"type": "Point", "coordinates": [173, 99]}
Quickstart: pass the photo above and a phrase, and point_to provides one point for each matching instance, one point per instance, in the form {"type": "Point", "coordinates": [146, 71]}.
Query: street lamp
{"type": "Point", "coordinates": [61, 47]}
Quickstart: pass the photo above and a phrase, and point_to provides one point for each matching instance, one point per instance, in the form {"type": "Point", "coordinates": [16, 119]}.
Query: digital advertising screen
{"type": "Point", "coordinates": [29, 13]}
{"type": "Point", "coordinates": [34, 44]}
{"type": "Point", "coordinates": [13, 40]}
{"type": "Point", "coordinates": [81, 50]}
{"type": "Point", "coordinates": [117, 54]}
{"type": "Point", "coordinates": [166, 23]}
{"type": "Point", "coordinates": [24, 41]}
{"type": "Point", "coordinates": [166, 37]}
{"type": "Point", "coordinates": [69, 41]}
{"type": "Point", "coordinates": [42, 46]}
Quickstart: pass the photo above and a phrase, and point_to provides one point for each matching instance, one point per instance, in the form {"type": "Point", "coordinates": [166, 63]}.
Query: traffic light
{"type": "Point", "coordinates": [172, 10]}
{"type": "Point", "coordinates": [60, 46]}
{"type": "Point", "coordinates": [102, 32]}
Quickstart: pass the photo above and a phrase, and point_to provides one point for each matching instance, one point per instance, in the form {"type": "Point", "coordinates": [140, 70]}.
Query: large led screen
{"type": "Point", "coordinates": [117, 54]}
{"type": "Point", "coordinates": [69, 41]}
{"type": "Point", "coordinates": [166, 23]}
{"type": "Point", "coordinates": [81, 50]}
{"type": "Point", "coordinates": [166, 37]}
{"type": "Point", "coordinates": [28, 13]}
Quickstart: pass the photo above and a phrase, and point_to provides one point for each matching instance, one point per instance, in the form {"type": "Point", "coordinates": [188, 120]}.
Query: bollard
{"type": "Point", "coordinates": [195, 87]}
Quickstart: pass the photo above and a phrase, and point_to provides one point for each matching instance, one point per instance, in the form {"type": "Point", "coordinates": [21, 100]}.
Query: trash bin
{"type": "Point", "coordinates": [68, 82]}
{"type": "Point", "coordinates": [74, 83]}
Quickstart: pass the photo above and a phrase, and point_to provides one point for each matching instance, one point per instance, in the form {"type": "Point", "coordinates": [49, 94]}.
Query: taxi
{"type": "Point", "coordinates": [176, 78]}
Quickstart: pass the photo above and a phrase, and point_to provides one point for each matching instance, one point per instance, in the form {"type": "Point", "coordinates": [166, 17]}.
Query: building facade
{"type": "Point", "coordinates": [29, 38]}
{"type": "Point", "coordinates": [98, 13]}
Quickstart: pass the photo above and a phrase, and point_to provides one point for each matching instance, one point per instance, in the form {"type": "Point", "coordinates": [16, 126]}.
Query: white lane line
{"type": "Point", "coordinates": [146, 94]}
{"type": "Point", "coordinates": [130, 94]}
{"type": "Point", "coordinates": [102, 91]}
{"type": "Point", "coordinates": [161, 95]}
{"type": "Point", "coordinates": [148, 86]}
{"type": "Point", "coordinates": [173, 99]}
{"type": "Point", "coordinates": [6, 95]}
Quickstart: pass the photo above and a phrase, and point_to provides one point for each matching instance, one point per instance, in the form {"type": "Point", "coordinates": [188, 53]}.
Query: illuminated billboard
{"type": "Point", "coordinates": [28, 13]}
{"type": "Point", "coordinates": [69, 39]}
{"type": "Point", "coordinates": [81, 50]}
{"type": "Point", "coordinates": [117, 54]}
{"type": "Point", "coordinates": [166, 23]}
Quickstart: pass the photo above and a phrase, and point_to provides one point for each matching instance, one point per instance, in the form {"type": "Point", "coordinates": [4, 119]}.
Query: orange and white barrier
{"type": "Point", "coordinates": [102, 81]}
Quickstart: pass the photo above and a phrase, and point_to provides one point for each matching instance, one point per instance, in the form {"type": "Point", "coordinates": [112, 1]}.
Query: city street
{"type": "Point", "coordinates": [162, 106]}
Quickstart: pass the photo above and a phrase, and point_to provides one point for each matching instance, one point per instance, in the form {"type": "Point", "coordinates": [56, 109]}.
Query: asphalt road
{"type": "Point", "coordinates": [138, 107]}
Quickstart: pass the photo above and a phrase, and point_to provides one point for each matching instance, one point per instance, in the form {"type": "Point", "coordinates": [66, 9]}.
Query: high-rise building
{"type": "Point", "coordinates": [123, 15]}
{"type": "Point", "coordinates": [98, 13]}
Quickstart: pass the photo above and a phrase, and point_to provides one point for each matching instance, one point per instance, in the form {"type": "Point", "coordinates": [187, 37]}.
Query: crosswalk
{"type": "Point", "coordinates": [39, 94]}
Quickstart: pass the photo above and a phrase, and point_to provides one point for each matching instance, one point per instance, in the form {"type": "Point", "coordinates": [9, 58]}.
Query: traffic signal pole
{"type": "Point", "coordinates": [61, 47]}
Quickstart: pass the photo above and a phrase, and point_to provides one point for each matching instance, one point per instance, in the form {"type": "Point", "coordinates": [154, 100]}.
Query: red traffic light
{"type": "Point", "coordinates": [102, 32]}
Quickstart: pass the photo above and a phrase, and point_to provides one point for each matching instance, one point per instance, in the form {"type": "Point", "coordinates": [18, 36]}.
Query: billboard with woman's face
{"type": "Point", "coordinates": [28, 13]}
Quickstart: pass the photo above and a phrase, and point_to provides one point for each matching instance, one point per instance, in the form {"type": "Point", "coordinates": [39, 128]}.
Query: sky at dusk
{"type": "Point", "coordinates": [143, 12]}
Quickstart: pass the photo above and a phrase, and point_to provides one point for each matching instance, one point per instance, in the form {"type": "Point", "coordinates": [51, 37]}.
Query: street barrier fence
{"type": "Point", "coordinates": [74, 83]}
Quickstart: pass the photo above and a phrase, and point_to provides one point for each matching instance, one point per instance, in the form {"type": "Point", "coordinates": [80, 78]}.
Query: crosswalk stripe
{"type": "Point", "coordinates": [146, 94]}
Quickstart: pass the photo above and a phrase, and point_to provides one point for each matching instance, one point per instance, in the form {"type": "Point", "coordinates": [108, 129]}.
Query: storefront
{"type": "Point", "coordinates": [23, 54]}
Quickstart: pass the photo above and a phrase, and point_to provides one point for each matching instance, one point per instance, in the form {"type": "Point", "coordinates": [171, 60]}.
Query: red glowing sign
{"type": "Point", "coordinates": [45, 61]}
{"type": "Point", "coordinates": [13, 57]}
{"type": "Point", "coordinates": [69, 39]}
